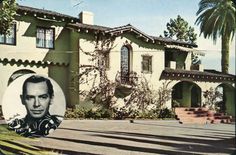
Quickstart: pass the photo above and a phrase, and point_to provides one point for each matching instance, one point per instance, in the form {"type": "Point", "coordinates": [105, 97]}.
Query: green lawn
{"type": "Point", "coordinates": [10, 144]}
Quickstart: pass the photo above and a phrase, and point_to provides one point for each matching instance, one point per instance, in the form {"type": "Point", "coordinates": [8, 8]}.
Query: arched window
{"type": "Point", "coordinates": [125, 64]}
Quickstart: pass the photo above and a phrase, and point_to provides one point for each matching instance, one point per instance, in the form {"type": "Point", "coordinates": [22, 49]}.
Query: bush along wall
{"type": "Point", "coordinates": [119, 114]}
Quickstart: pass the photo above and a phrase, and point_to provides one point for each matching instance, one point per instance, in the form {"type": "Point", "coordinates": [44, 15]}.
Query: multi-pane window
{"type": "Point", "coordinates": [10, 37]}
{"type": "Point", "coordinates": [45, 37]}
{"type": "Point", "coordinates": [147, 64]}
{"type": "Point", "coordinates": [104, 61]}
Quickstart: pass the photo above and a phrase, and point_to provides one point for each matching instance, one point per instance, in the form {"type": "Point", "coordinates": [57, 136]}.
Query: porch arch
{"type": "Point", "coordinates": [187, 94]}
{"type": "Point", "coordinates": [18, 73]}
{"type": "Point", "coordinates": [228, 101]}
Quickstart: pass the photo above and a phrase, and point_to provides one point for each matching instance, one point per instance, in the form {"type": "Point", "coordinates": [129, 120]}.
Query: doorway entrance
{"type": "Point", "coordinates": [186, 94]}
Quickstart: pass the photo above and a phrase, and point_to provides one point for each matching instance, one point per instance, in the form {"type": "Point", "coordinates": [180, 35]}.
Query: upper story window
{"type": "Point", "coordinates": [147, 64]}
{"type": "Point", "coordinates": [45, 37]}
{"type": "Point", "coordinates": [9, 38]}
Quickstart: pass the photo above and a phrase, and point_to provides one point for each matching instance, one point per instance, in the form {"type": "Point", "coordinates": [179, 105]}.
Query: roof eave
{"type": "Point", "coordinates": [45, 14]}
{"type": "Point", "coordinates": [192, 75]}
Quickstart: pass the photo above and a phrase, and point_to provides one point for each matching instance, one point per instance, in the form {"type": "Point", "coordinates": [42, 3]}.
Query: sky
{"type": "Point", "coordinates": [149, 16]}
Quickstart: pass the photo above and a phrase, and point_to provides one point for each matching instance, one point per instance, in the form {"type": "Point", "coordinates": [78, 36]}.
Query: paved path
{"type": "Point", "coordinates": [110, 137]}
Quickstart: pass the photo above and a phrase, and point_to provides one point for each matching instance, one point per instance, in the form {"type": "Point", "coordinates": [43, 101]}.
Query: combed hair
{"type": "Point", "coordinates": [37, 79]}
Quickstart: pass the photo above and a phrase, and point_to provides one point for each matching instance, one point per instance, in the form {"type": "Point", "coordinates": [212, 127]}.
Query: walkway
{"type": "Point", "coordinates": [110, 137]}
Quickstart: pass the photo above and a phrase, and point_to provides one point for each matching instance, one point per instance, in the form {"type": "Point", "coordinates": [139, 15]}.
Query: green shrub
{"type": "Point", "coordinates": [151, 114]}
{"type": "Point", "coordinates": [74, 113]}
{"type": "Point", "coordinates": [89, 114]}
{"type": "Point", "coordinates": [118, 114]}
{"type": "Point", "coordinates": [106, 114]}
{"type": "Point", "coordinates": [166, 113]}
{"type": "Point", "coordinates": [133, 113]}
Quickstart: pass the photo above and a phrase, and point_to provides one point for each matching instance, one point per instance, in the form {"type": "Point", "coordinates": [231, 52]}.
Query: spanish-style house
{"type": "Point", "coordinates": [47, 42]}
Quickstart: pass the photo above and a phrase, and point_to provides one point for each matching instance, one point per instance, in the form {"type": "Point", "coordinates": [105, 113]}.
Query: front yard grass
{"type": "Point", "coordinates": [10, 144]}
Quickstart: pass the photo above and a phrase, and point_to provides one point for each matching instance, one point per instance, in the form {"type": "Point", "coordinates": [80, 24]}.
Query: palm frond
{"type": "Point", "coordinates": [206, 4]}
{"type": "Point", "coordinates": [216, 17]}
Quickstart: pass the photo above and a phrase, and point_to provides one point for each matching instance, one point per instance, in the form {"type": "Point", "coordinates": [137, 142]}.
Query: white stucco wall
{"type": "Point", "coordinates": [84, 59]}
{"type": "Point", "coordinates": [157, 54]}
{"type": "Point", "coordinates": [137, 52]}
{"type": "Point", "coordinates": [25, 48]}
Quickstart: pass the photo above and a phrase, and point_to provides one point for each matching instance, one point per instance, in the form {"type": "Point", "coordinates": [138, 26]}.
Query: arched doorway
{"type": "Point", "coordinates": [125, 64]}
{"type": "Point", "coordinates": [186, 94]}
{"type": "Point", "coordinates": [19, 73]}
{"type": "Point", "coordinates": [227, 103]}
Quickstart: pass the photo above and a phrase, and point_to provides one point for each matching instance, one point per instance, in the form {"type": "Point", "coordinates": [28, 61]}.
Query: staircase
{"type": "Point", "coordinates": [200, 116]}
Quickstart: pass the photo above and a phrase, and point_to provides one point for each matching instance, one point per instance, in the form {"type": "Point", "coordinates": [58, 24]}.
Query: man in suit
{"type": "Point", "coordinates": [37, 96]}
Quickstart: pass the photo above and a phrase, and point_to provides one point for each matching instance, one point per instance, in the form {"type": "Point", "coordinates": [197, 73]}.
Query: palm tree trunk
{"type": "Point", "coordinates": [225, 53]}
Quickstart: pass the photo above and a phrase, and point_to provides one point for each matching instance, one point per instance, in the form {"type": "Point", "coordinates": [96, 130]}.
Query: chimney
{"type": "Point", "coordinates": [86, 17]}
{"type": "Point", "coordinates": [172, 64]}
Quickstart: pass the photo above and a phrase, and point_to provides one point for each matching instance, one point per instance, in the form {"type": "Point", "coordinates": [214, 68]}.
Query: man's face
{"type": "Point", "coordinates": [36, 99]}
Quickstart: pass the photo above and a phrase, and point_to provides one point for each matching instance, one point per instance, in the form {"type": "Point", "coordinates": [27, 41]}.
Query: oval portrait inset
{"type": "Point", "coordinates": [33, 105]}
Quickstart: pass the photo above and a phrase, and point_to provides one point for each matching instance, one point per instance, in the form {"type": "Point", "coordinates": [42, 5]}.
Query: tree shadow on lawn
{"type": "Point", "coordinates": [216, 133]}
{"type": "Point", "coordinates": [20, 145]}
{"type": "Point", "coordinates": [201, 145]}
{"type": "Point", "coordinates": [186, 127]}
{"type": "Point", "coordinates": [37, 148]}
{"type": "Point", "coordinates": [222, 137]}
{"type": "Point", "coordinates": [65, 152]}
{"type": "Point", "coordinates": [20, 149]}
{"type": "Point", "coordinates": [214, 147]}
{"type": "Point", "coordinates": [123, 147]}
{"type": "Point", "coordinates": [174, 138]}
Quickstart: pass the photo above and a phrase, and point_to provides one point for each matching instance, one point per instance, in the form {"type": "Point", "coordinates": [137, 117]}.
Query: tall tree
{"type": "Point", "coordinates": [217, 18]}
{"type": "Point", "coordinates": [180, 30]}
{"type": "Point", "coordinates": [7, 13]}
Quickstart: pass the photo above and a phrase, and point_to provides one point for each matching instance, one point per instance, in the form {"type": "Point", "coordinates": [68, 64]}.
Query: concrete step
{"type": "Point", "coordinates": [201, 116]}
{"type": "Point", "coordinates": [193, 121]}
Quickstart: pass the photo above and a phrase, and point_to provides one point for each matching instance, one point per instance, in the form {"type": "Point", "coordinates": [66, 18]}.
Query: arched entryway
{"type": "Point", "coordinates": [227, 104]}
{"type": "Point", "coordinates": [19, 73]}
{"type": "Point", "coordinates": [186, 94]}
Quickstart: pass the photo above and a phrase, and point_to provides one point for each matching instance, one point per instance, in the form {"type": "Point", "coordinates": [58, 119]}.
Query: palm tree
{"type": "Point", "coordinates": [217, 18]}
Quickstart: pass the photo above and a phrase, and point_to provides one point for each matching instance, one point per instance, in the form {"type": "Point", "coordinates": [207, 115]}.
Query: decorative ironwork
{"type": "Point", "coordinates": [125, 64]}
{"type": "Point", "coordinates": [130, 78]}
